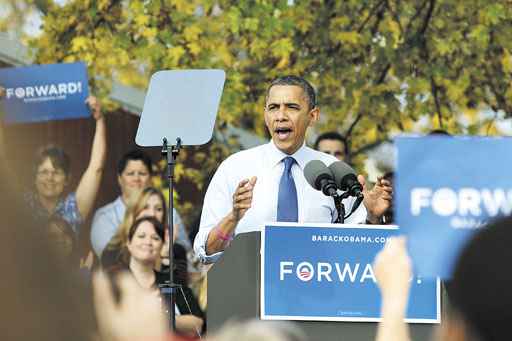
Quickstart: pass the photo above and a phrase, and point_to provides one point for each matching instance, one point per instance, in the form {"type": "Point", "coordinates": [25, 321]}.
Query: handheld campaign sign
{"type": "Point", "coordinates": [180, 103]}
{"type": "Point", "coordinates": [446, 189]}
{"type": "Point", "coordinates": [323, 272]}
{"type": "Point", "coordinates": [45, 92]}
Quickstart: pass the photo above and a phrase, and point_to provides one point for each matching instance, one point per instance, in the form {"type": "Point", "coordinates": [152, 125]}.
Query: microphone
{"type": "Point", "coordinates": [346, 179]}
{"type": "Point", "coordinates": [320, 177]}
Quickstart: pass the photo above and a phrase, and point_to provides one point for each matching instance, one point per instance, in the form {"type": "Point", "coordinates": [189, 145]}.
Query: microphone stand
{"type": "Point", "coordinates": [340, 207]}
{"type": "Point", "coordinates": [169, 289]}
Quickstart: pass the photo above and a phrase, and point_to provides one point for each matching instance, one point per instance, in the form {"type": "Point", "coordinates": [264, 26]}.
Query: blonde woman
{"type": "Point", "coordinates": [149, 203]}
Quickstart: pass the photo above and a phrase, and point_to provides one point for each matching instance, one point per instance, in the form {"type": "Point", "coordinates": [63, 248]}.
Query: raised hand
{"type": "Point", "coordinates": [393, 269]}
{"type": "Point", "coordinates": [242, 198]}
{"type": "Point", "coordinates": [95, 107]}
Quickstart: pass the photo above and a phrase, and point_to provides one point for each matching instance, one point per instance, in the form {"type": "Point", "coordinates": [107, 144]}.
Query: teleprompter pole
{"type": "Point", "coordinates": [169, 290]}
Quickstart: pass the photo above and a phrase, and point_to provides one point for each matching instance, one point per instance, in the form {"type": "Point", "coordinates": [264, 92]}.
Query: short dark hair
{"type": "Point", "coordinates": [480, 286]}
{"type": "Point", "coordinates": [134, 155]}
{"type": "Point", "coordinates": [158, 226]}
{"type": "Point", "coordinates": [308, 89]}
{"type": "Point", "coordinates": [330, 135]}
{"type": "Point", "coordinates": [57, 156]}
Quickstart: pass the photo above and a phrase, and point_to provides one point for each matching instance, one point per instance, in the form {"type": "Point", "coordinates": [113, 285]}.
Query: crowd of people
{"type": "Point", "coordinates": [122, 299]}
{"type": "Point", "coordinates": [129, 234]}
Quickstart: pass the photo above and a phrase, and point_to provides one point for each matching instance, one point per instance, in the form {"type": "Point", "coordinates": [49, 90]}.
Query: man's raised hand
{"type": "Point", "coordinates": [242, 198]}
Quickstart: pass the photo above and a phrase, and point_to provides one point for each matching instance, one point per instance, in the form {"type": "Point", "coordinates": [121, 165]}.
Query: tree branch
{"type": "Point", "coordinates": [42, 5]}
{"type": "Point", "coordinates": [383, 74]}
{"type": "Point", "coordinates": [373, 11]}
{"type": "Point", "coordinates": [66, 36]}
{"type": "Point", "coordinates": [359, 116]}
{"type": "Point", "coordinates": [370, 146]}
{"type": "Point", "coordinates": [437, 101]}
{"type": "Point", "coordinates": [416, 15]}
{"type": "Point", "coordinates": [353, 125]}
{"type": "Point", "coordinates": [380, 16]}
{"type": "Point", "coordinates": [432, 4]}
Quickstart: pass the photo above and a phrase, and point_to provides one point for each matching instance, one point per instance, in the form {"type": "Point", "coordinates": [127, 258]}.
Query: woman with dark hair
{"type": "Point", "coordinates": [52, 175]}
{"type": "Point", "coordinates": [141, 251]}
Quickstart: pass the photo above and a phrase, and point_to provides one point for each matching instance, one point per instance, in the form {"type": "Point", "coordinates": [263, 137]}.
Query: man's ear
{"type": "Point", "coordinates": [314, 116]}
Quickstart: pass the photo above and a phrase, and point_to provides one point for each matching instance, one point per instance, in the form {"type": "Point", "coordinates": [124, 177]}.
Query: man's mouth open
{"type": "Point", "coordinates": [283, 133]}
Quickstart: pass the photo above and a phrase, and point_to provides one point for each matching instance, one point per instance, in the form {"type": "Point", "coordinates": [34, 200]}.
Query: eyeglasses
{"type": "Point", "coordinates": [48, 173]}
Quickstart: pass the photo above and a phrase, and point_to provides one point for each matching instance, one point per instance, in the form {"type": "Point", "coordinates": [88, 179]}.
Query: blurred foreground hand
{"type": "Point", "coordinates": [137, 316]}
{"type": "Point", "coordinates": [393, 269]}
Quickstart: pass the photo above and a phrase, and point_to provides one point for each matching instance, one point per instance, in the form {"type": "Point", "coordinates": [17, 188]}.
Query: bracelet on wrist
{"type": "Point", "coordinates": [223, 236]}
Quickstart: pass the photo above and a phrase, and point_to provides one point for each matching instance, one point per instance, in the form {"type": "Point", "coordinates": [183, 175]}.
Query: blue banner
{"type": "Point", "coordinates": [44, 92]}
{"type": "Point", "coordinates": [324, 272]}
{"type": "Point", "coordinates": [446, 189]}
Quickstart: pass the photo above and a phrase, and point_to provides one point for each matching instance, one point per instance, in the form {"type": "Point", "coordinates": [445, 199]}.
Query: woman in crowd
{"type": "Point", "coordinates": [149, 203]}
{"type": "Point", "coordinates": [40, 298]}
{"type": "Point", "coordinates": [52, 173]}
{"type": "Point", "coordinates": [139, 255]}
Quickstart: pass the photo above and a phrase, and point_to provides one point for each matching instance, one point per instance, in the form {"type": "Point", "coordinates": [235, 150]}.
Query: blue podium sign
{"type": "Point", "coordinates": [44, 92]}
{"type": "Point", "coordinates": [323, 272]}
{"type": "Point", "coordinates": [446, 189]}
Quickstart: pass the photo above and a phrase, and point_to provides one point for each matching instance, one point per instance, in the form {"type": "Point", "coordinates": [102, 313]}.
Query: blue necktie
{"type": "Point", "coordinates": [287, 197]}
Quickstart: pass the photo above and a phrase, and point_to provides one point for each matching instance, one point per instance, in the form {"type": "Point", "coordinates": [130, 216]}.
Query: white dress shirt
{"type": "Point", "coordinates": [264, 162]}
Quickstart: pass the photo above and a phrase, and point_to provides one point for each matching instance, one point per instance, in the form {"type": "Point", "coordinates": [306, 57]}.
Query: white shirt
{"type": "Point", "coordinates": [265, 162]}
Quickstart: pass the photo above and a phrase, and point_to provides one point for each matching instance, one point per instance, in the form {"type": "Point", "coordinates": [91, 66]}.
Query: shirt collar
{"type": "Point", "coordinates": [275, 156]}
{"type": "Point", "coordinates": [119, 206]}
{"type": "Point", "coordinates": [34, 203]}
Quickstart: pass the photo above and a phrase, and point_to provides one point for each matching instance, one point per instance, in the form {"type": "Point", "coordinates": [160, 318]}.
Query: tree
{"type": "Point", "coordinates": [15, 14]}
{"type": "Point", "coordinates": [380, 66]}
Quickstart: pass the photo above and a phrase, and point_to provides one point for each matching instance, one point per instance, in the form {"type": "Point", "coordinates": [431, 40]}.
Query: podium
{"type": "Point", "coordinates": [234, 294]}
